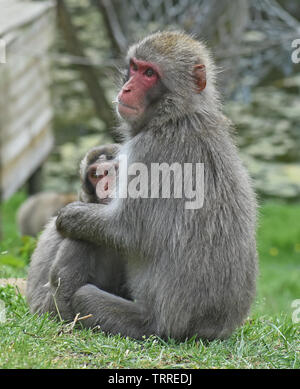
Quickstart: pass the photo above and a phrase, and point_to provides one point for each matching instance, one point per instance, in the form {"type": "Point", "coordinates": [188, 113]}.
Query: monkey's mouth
{"type": "Point", "coordinates": [126, 106]}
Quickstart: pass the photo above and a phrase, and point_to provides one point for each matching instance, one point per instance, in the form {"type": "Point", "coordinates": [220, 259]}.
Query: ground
{"type": "Point", "coordinates": [268, 339]}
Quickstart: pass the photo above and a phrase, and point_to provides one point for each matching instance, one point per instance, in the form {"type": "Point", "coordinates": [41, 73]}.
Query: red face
{"type": "Point", "coordinates": [102, 176]}
{"type": "Point", "coordinates": [132, 99]}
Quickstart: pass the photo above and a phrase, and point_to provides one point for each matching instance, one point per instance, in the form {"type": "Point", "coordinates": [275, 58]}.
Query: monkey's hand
{"type": "Point", "coordinates": [80, 221]}
{"type": "Point", "coordinates": [109, 150]}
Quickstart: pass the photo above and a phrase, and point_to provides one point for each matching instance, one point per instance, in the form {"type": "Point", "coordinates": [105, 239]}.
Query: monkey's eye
{"type": "Point", "coordinates": [93, 173]}
{"type": "Point", "coordinates": [149, 72]}
{"type": "Point", "coordinates": [133, 66]}
{"type": "Point", "coordinates": [109, 157]}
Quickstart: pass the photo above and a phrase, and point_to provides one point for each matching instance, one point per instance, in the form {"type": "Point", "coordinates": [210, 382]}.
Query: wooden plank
{"type": "Point", "coordinates": [12, 148]}
{"type": "Point", "coordinates": [20, 59]}
{"type": "Point", "coordinates": [36, 80]}
{"type": "Point", "coordinates": [28, 115]}
{"type": "Point", "coordinates": [25, 107]}
{"type": "Point", "coordinates": [19, 112]}
{"type": "Point", "coordinates": [29, 44]}
{"type": "Point", "coordinates": [31, 31]}
{"type": "Point", "coordinates": [17, 13]}
{"type": "Point", "coordinates": [16, 173]}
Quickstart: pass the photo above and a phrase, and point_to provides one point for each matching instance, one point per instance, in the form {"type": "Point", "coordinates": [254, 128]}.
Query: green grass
{"type": "Point", "coordinates": [15, 251]}
{"type": "Point", "coordinates": [268, 339]}
{"type": "Point", "coordinates": [279, 258]}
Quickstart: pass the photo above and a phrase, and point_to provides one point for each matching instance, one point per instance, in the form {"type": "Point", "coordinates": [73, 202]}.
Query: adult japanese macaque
{"type": "Point", "coordinates": [51, 283]}
{"type": "Point", "coordinates": [190, 271]}
{"type": "Point", "coordinates": [37, 210]}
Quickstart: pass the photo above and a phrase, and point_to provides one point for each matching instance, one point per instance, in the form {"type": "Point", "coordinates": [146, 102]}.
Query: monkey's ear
{"type": "Point", "coordinates": [200, 76]}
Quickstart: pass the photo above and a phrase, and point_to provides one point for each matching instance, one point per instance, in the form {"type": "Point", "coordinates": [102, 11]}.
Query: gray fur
{"type": "Point", "coordinates": [190, 272]}
{"type": "Point", "coordinates": [61, 266]}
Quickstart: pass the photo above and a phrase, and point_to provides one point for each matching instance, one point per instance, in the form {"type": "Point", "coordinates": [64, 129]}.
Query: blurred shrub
{"type": "Point", "coordinates": [268, 134]}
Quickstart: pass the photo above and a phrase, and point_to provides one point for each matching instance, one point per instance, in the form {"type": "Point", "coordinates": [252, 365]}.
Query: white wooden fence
{"type": "Point", "coordinates": [26, 33]}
